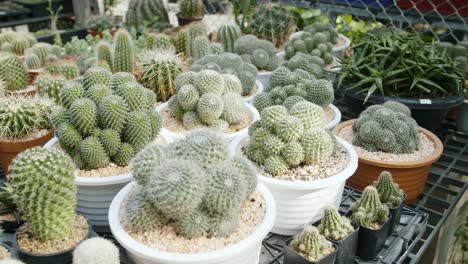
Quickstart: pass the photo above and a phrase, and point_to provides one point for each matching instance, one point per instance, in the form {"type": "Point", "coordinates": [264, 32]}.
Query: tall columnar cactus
{"type": "Point", "coordinates": [104, 53]}
{"type": "Point", "coordinates": [146, 12]}
{"type": "Point", "coordinates": [194, 183]}
{"type": "Point", "coordinates": [13, 73]}
{"type": "Point", "coordinates": [51, 214]}
{"type": "Point", "coordinates": [158, 70]}
{"type": "Point", "coordinates": [271, 22]}
{"type": "Point", "coordinates": [260, 53]}
{"type": "Point", "coordinates": [334, 226]}
{"type": "Point", "coordinates": [17, 117]}
{"type": "Point", "coordinates": [107, 120]}
{"type": "Point", "coordinates": [389, 192]}
{"type": "Point", "coordinates": [190, 9]}
{"type": "Point", "coordinates": [96, 250]}
{"type": "Point", "coordinates": [282, 139]}
{"type": "Point", "coordinates": [47, 85]}
{"type": "Point", "coordinates": [123, 54]}
{"type": "Point", "coordinates": [200, 47]}
{"type": "Point", "coordinates": [183, 43]}
{"type": "Point", "coordinates": [388, 128]}
{"type": "Point", "coordinates": [227, 35]}
{"type": "Point", "coordinates": [311, 244]}
{"type": "Point", "coordinates": [368, 211]}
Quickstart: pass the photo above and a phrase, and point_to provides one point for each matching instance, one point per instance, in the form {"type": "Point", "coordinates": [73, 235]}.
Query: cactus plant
{"type": "Point", "coordinates": [334, 226]}
{"type": "Point", "coordinates": [271, 22]}
{"type": "Point", "coordinates": [108, 120]}
{"type": "Point", "coordinates": [200, 47]}
{"type": "Point", "coordinates": [104, 53]}
{"type": "Point", "coordinates": [100, 23]}
{"type": "Point", "coordinates": [32, 62]}
{"type": "Point", "coordinates": [389, 192]}
{"type": "Point", "coordinates": [311, 64]}
{"type": "Point", "coordinates": [388, 128]}
{"type": "Point", "coordinates": [51, 214]}
{"type": "Point", "coordinates": [158, 70]}
{"type": "Point", "coordinates": [248, 45]}
{"type": "Point", "coordinates": [368, 211]}
{"type": "Point", "coordinates": [311, 244]}
{"type": "Point", "coordinates": [227, 35]}
{"type": "Point", "coordinates": [190, 9]}
{"type": "Point", "coordinates": [47, 85]}
{"type": "Point", "coordinates": [146, 12]}
{"type": "Point", "coordinates": [123, 54]}
{"type": "Point", "coordinates": [13, 73]}
{"type": "Point", "coordinates": [96, 250]}
{"type": "Point", "coordinates": [194, 183]}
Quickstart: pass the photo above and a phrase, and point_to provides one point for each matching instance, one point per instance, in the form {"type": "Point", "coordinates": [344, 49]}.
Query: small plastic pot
{"type": "Point", "coordinates": [10, 226]}
{"type": "Point", "coordinates": [292, 257]}
{"type": "Point", "coordinates": [396, 215]}
{"type": "Point", "coordinates": [371, 241]}
{"type": "Point", "coordinates": [346, 247]}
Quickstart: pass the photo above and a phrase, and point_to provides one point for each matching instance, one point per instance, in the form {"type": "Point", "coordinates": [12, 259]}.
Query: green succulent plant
{"type": "Point", "coordinates": [271, 22]}
{"type": "Point", "coordinates": [368, 211]}
{"type": "Point", "coordinates": [389, 192]}
{"type": "Point", "coordinates": [123, 52]}
{"type": "Point", "coordinates": [100, 23]}
{"type": "Point", "coordinates": [49, 86]}
{"type": "Point", "coordinates": [334, 226]}
{"type": "Point", "coordinates": [142, 13]}
{"type": "Point", "coordinates": [227, 35]}
{"type": "Point", "coordinates": [311, 244]}
{"type": "Point", "coordinates": [260, 53]}
{"type": "Point", "coordinates": [13, 73]}
{"type": "Point", "coordinates": [190, 9]}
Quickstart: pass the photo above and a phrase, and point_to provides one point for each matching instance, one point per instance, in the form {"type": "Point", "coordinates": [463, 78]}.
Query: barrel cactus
{"type": "Point", "coordinates": [32, 62]}
{"type": "Point", "coordinates": [271, 22]}
{"type": "Point", "coordinates": [190, 9]}
{"type": "Point", "coordinates": [227, 35]}
{"type": "Point", "coordinates": [194, 183]}
{"type": "Point", "coordinates": [146, 12]}
{"type": "Point", "coordinates": [368, 211]}
{"type": "Point", "coordinates": [13, 73]}
{"type": "Point", "coordinates": [311, 244]}
{"type": "Point", "coordinates": [51, 214]}
{"type": "Point", "coordinates": [260, 53]}
{"type": "Point", "coordinates": [104, 123]}
{"type": "Point", "coordinates": [389, 192]}
{"type": "Point", "coordinates": [387, 128]}
{"type": "Point", "coordinates": [49, 86]}
{"type": "Point", "coordinates": [334, 226]}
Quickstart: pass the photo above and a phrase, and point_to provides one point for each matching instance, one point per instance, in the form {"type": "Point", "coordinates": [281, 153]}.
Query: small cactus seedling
{"type": "Point", "coordinates": [369, 211]}
{"type": "Point", "coordinates": [96, 250]}
{"type": "Point", "coordinates": [389, 192]}
{"type": "Point", "coordinates": [334, 226]}
{"type": "Point", "coordinates": [311, 244]}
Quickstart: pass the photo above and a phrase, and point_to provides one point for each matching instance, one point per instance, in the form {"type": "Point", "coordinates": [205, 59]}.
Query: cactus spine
{"type": "Point", "coordinates": [104, 53]}
{"type": "Point", "coordinates": [96, 250]}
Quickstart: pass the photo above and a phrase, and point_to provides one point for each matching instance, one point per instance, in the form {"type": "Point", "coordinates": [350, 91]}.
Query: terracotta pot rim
{"type": "Point", "coordinates": [12, 146]}
{"type": "Point", "coordinates": [438, 150]}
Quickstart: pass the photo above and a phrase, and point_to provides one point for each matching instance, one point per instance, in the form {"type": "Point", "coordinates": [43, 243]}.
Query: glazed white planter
{"type": "Point", "coordinates": [247, 251]}
{"type": "Point", "coordinates": [259, 91]}
{"type": "Point", "coordinates": [336, 51]}
{"type": "Point", "coordinates": [336, 120]}
{"type": "Point", "coordinates": [264, 78]}
{"type": "Point", "coordinates": [95, 194]}
{"type": "Point", "coordinates": [227, 137]}
{"type": "Point", "coordinates": [302, 202]}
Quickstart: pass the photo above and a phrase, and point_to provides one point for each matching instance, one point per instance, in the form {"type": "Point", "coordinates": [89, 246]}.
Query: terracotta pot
{"type": "Point", "coordinates": [99, 34]}
{"type": "Point", "coordinates": [29, 91]}
{"type": "Point", "coordinates": [32, 76]}
{"type": "Point", "coordinates": [9, 149]}
{"type": "Point", "coordinates": [411, 176]}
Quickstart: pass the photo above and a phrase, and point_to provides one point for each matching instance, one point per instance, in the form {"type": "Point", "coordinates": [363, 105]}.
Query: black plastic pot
{"type": "Point", "coordinates": [65, 35]}
{"type": "Point", "coordinates": [13, 15]}
{"type": "Point", "coordinates": [65, 256]}
{"type": "Point", "coordinates": [371, 241]}
{"type": "Point", "coordinates": [292, 257]}
{"type": "Point", "coordinates": [429, 113]}
{"type": "Point", "coordinates": [396, 215]}
{"type": "Point", "coordinates": [186, 21]}
{"type": "Point", "coordinates": [347, 247]}
{"type": "Point", "coordinates": [10, 226]}
{"type": "Point", "coordinates": [39, 8]}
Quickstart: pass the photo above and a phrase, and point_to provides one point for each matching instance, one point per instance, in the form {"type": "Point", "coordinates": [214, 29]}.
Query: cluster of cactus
{"type": "Point", "coordinates": [324, 28]}
{"type": "Point", "coordinates": [13, 73]}
{"type": "Point", "coordinates": [388, 128]}
{"type": "Point", "coordinates": [193, 183]}
{"type": "Point", "coordinates": [271, 22]}
{"type": "Point", "coordinates": [49, 86]}
{"type": "Point", "coordinates": [368, 211]}
{"type": "Point", "coordinates": [158, 41]}
{"type": "Point", "coordinates": [311, 244]}
{"type": "Point", "coordinates": [16, 42]}
{"type": "Point", "coordinates": [311, 64]}
{"type": "Point", "coordinates": [122, 59]}
{"type": "Point", "coordinates": [96, 250]}
{"type": "Point", "coordinates": [147, 12]}
{"type": "Point", "coordinates": [207, 98]}
{"type": "Point", "coordinates": [201, 47]}
{"type": "Point", "coordinates": [100, 23]}
{"type": "Point", "coordinates": [389, 191]}
{"type": "Point", "coordinates": [334, 226]}
{"type": "Point", "coordinates": [50, 215]}
{"type": "Point", "coordinates": [190, 9]}
{"type": "Point", "coordinates": [192, 41]}
{"type": "Point", "coordinates": [260, 53]}
{"type": "Point", "coordinates": [282, 139]}
{"type": "Point", "coordinates": [316, 44]}
{"type": "Point", "coordinates": [23, 116]}
{"type": "Point", "coordinates": [229, 63]}
{"type": "Point", "coordinates": [40, 54]}
{"type": "Point", "coordinates": [67, 69]}
{"type": "Point", "coordinates": [227, 35]}
{"type": "Point", "coordinates": [458, 52]}
{"type": "Point", "coordinates": [158, 70]}
{"type": "Point", "coordinates": [105, 117]}
{"type": "Point", "coordinates": [288, 87]}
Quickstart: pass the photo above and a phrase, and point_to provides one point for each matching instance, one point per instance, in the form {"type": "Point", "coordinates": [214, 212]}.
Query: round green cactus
{"type": "Point", "coordinates": [227, 35]}
{"type": "Point", "coordinates": [208, 81]}
{"type": "Point", "coordinates": [13, 73]}
{"type": "Point", "coordinates": [368, 211]}
{"type": "Point", "coordinates": [93, 153]}
{"type": "Point", "coordinates": [97, 75]}
{"type": "Point", "coordinates": [334, 226]}
{"type": "Point", "coordinates": [68, 135]}
{"type": "Point", "coordinates": [318, 145]}
{"type": "Point", "coordinates": [210, 107]}
{"type": "Point", "coordinates": [273, 115]}
{"type": "Point", "coordinates": [20, 44]}
{"type": "Point", "coordinates": [310, 114]}
{"type": "Point", "coordinates": [290, 129]}
{"type": "Point", "coordinates": [17, 117]}
{"type": "Point", "coordinates": [32, 62]}
{"type": "Point", "coordinates": [83, 114]}
{"type": "Point", "coordinates": [97, 92]}
{"type": "Point", "coordinates": [311, 243]}
{"type": "Point", "coordinates": [389, 192]}
{"type": "Point", "coordinates": [271, 22]}
{"type": "Point", "coordinates": [121, 78]}
{"type": "Point", "coordinates": [104, 53]}
{"type": "Point", "coordinates": [138, 129]}
{"type": "Point", "coordinates": [319, 92]}
{"type": "Point", "coordinates": [247, 45]}
{"type": "Point", "coordinates": [145, 161]}
{"type": "Point", "coordinates": [47, 85]}
{"type": "Point", "coordinates": [233, 108]}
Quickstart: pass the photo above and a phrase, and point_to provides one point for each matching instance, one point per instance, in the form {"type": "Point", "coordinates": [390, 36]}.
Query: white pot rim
{"type": "Point", "coordinates": [348, 171]}
{"type": "Point", "coordinates": [336, 120]}
{"type": "Point", "coordinates": [334, 49]}
{"type": "Point", "coordinates": [108, 180]}
{"type": "Point", "coordinates": [229, 137]}
{"type": "Point", "coordinates": [260, 89]}
{"type": "Point", "coordinates": [264, 73]}
{"type": "Point", "coordinates": [129, 243]}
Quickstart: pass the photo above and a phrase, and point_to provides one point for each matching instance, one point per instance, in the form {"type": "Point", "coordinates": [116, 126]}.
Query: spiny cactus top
{"type": "Point", "coordinates": [334, 226]}
{"type": "Point", "coordinates": [105, 117]}
{"type": "Point", "coordinates": [227, 35]}
{"type": "Point", "coordinates": [388, 128]}
{"type": "Point", "coordinates": [13, 72]}
{"type": "Point", "coordinates": [260, 53]}
{"type": "Point", "coordinates": [193, 182]}
{"type": "Point", "coordinates": [208, 98]}
{"type": "Point", "coordinates": [43, 183]}
{"type": "Point", "coordinates": [311, 244]}
{"type": "Point", "coordinates": [389, 192]}
{"type": "Point", "coordinates": [271, 22]}
{"type": "Point", "coordinates": [229, 63]}
{"type": "Point", "coordinates": [368, 211]}
{"type": "Point", "coordinates": [282, 139]}
{"type": "Point", "coordinates": [123, 52]}
{"type": "Point", "coordinates": [191, 9]}
{"type": "Point", "coordinates": [158, 70]}
{"type": "Point", "coordinates": [23, 116]}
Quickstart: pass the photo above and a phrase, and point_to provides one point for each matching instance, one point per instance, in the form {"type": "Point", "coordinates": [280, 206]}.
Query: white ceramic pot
{"type": "Point", "coordinates": [302, 202]}
{"type": "Point", "coordinates": [247, 251]}
{"type": "Point", "coordinates": [259, 91]}
{"type": "Point", "coordinates": [228, 137]}
{"type": "Point", "coordinates": [95, 194]}
{"type": "Point", "coordinates": [264, 78]}
{"type": "Point", "coordinates": [336, 120]}
{"type": "Point", "coordinates": [336, 51]}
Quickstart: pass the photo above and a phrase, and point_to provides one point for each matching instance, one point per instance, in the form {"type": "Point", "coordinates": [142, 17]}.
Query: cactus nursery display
{"type": "Point", "coordinates": [311, 245]}
{"type": "Point", "coordinates": [368, 211]}
{"type": "Point", "coordinates": [16, 42]}
{"type": "Point", "coordinates": [389, 192]}
{"type": "Point", "coordinates": [229, 63]}
{"type": "Point", "coordinates": [272, 22]}
{"type": "Point", "coordinates": [260, 53]}
{"type": "Point", "coordinates": [105, 118]}
{"type": "Point", "coordinates": [284, 138]}
{"type": "Point", "coordinates": [334, 226]}
{"type": "Point", "coordinates": [192, 184]}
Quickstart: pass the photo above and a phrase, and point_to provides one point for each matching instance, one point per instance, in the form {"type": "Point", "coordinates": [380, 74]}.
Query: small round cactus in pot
{"type": "Point", "coordinates": [310, 246]}
{"type": "Point", "coordinates": [190, 10]}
